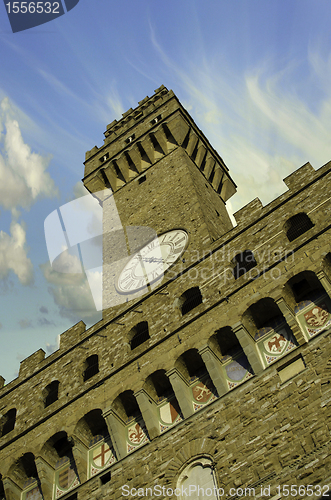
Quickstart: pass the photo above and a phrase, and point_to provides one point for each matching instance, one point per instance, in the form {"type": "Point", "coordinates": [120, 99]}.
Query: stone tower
{"type": "Point", "coordinates": [165, 176]}
{"type": "Point", "coordinates": [210, 375]}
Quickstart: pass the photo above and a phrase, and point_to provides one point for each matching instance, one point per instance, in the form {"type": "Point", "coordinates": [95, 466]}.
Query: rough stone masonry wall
{"type": "Point", "coordinates": [261, 431]}
{"type": "Point", "coordinates": [264, 433]}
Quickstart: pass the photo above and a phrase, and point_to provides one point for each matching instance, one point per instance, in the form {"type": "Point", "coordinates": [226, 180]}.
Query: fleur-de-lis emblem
{"type": "Point", "coordinates": [136, 434]}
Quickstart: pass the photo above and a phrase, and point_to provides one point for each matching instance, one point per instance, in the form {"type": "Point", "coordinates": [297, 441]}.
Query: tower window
{"type": "Point", "coordinates": [297, 225]}
{"type": "Point", "coordinates": [104, 158]}
{"type": "Point", "coordinates": [156, 119]}
{"type": "Point", "coordinates": [8, 420]}
{"type": "Point", "coordinates": [130, 139]}
{"type": "Point", "coordinates": [244, 261]}
{"type": "Point", "coordinates": [51, 393]}
{"type": "Point", "coordinates": [92, 367]}
{"type": "Point", "coordinates": [140, 334]}
{"type": "Point", "coordinates": [190, 299]}
{"type": "Point", "coordinates": [142, 179]}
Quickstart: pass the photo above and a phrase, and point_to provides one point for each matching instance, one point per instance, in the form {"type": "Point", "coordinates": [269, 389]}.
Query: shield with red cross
{"type": "Point", "coordinates": [101, 455]}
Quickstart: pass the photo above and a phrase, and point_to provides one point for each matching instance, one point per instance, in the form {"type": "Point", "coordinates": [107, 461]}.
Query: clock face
{"type": "Point", "coordinates": [151, 262]}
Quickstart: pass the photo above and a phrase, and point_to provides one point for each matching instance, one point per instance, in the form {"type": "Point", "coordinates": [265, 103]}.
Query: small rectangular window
{"type": "Point", "coordinates": [105, 478]}
{"type": "Point", "coordinates": [156, 119]}
{"type": "Point", "coordinates": [72, 497]}
{"type": "Point", "coordinates": [130, 139]}
{"type": "Point", "coordinates": [104, 158]}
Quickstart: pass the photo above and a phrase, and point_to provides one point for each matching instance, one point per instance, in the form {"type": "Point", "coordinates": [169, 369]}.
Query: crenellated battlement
{"type": "Point", "coordinates": [131, 117]}
{"type": "Point", "coordinates": [72, 336]}
{"type": "Point", "coordinates": [160, 126]}
{"type": "Point", "coordinates": [300, 177]}
{"type": "Point", "coordinates": [249, 212]}
{"type": "Point", "coordinates": [31, 363]}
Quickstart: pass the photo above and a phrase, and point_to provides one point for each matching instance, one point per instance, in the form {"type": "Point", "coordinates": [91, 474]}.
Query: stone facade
{"type": "Point", "coordinates": [220, 369]}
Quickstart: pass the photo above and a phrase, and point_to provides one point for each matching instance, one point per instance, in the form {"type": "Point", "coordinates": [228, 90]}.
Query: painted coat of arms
{"type": "Point", "coordinates": [65, 479]}
{"type": "Point", "coordinates": [170, 414]}
{"type": "Point", "coordinates": [203, 393]}
{"type": "Point", "coordinates": [100, 457]}
{"type": "Point", "coordinates": [237, 371]}
{"type": "Point", "coordinates": [137, 435]}
{"type": "Point", "coordinates": [317, 318]}
{"type": "Point", "coordinates": [275, 344]}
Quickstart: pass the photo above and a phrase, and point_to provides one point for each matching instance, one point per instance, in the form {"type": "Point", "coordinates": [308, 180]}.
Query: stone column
{"type": "Point", "coordinates": [116, 429]}
{"type": "Point", "coordinates": [291, 321]}
{"type": "Point", "coordinates": [12, 491]}
{"type": "Point", "coordinates": [249, 347]}
{"type": "Point", "coordinates": [182, 392]}
{"type": "Point", "coordinates": [324, 281]}
{"type": "Point", "coordinates": [214, 368]}
{"type": "Point", "coordinates": [149, 412]}
{"type": "Point", "coordinates": [80, 452]}
{"type": "Point", "coordinates": [46, 477]}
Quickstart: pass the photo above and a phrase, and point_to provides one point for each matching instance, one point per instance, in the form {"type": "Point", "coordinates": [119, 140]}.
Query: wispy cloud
{"type": "Point", "coordinates": [45, 322]}
{"type": "Point", "coordinates": [25, 323]}
{"type": "Point", "coordinates": [265, 123]}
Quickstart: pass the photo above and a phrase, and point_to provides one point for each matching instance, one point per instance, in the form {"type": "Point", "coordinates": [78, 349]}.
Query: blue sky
{"type": "Point", "coordinates": [255, 75]}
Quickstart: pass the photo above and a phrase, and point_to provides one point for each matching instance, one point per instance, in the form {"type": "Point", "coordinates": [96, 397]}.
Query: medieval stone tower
{"type": "Point", "coordinates": [209, 373]}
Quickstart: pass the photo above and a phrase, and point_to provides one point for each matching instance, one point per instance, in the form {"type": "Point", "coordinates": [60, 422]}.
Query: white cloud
{"type": "Point", "coordinates": [75, 302]}
{"type": "Point", "coordinates": [13, 254]}
{"type": "Point", "coordinates": [72, 294]}
{"type": "Point", "coordinates": [23, 176]}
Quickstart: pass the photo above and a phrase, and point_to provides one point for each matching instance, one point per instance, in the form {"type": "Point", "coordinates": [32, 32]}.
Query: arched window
{"type": "Point", "coordinates": [199, 479]}
{"type": "Point", "coordinates": [51, 393]}
{"type": "Point", "coordinates": [297, 225]}
{"type": "Point", "coordinates": [58, 450]}
{"type": "Point", "coordinates": [305, 286]}
{"type": "Point", "coordinates": [139, 334]}
{"type": "Point", "coordinates": [191, 365]}
{"type": "Point", "coordinates": [227, 342]}
{"type": "Point", "coordinates": [8, 420]}
{"type": "Point", "coordinates": [91, 366]}
{"type": "Point", "coordinates": [190, 299]}
{"type": "Point", "coordinates": [244, 261]}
